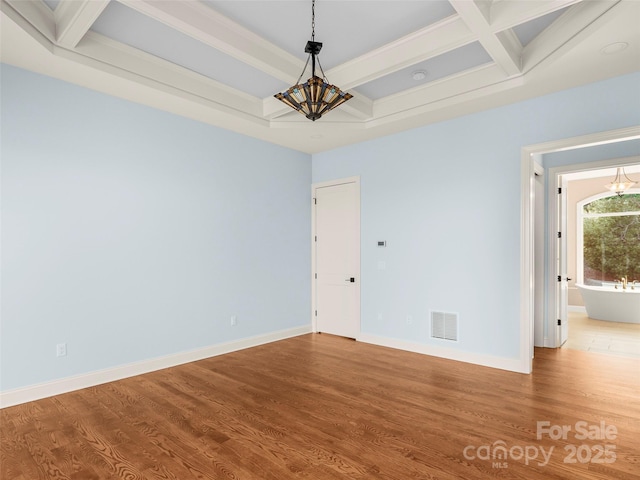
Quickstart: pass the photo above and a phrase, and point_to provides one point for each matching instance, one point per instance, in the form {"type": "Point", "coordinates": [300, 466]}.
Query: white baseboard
{"type": "Point", "coordinates": [510, 364]}
{"type": "Point", "coordinates": [56, 387]}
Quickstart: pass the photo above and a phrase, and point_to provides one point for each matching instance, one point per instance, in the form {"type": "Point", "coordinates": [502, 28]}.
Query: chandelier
{"type": "Point", "coordinates": [620, 185]}
{"type": "Point", "coordinates": [316, 96]}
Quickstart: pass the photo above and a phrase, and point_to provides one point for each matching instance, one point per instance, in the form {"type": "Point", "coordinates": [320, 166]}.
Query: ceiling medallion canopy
{"type": "Point", "coordinates": [316, 96]}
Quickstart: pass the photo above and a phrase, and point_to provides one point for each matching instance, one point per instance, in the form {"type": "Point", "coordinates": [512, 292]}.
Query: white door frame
{"type": "Point", "coordinates": [538, 327]}
{"type": "Point", "coordinates": [553, 341]}
{"type": "Point", "coordinates": [527, 226]}
{"type": "Point", "coordinates": [314, 306]}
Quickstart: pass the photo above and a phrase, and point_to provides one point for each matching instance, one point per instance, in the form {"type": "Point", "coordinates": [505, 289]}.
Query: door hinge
{"type": "Point", "coordinates": [559, 234]}
{"type": "Point", "coordinates": [316, 276]}
{"type": "Point", "coordinates": [559, 278]}
{"type": "Point", "coordinates": [315, 201]}
{"type": "Point", "coordinates": [316, 313]}
{"type": "Point", "coordinates": [559, 322]}
{"type": "Point", "coordinates": [559, 190]}
{"type": "Point", "coordinates": [316, 238]}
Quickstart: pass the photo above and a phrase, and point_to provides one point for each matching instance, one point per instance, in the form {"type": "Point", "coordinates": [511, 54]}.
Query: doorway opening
{"type": "Point", "coordinates": [532, 155]}
{"type": "Point", "coordinates": [603, 251]}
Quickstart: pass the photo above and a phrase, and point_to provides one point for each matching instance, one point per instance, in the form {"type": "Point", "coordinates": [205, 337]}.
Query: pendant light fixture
{"type": "Point", "coordinates": [619, 184]}
{"type": "Point", "coordinates": [316, 96]}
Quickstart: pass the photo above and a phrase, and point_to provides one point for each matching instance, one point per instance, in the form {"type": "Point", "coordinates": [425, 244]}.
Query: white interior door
{"type": "Point", "coordinates": [337, 258]}
{"type": "Point", "coordinates": [563, 281]}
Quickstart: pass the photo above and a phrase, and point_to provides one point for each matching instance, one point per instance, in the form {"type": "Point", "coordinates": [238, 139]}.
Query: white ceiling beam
{"type": "Point", "coordinates": [109, 55]}
{"type": "Point", "coordinates": [508, 14]}
{"type": "Point", "coordinates": [74, 19]}
{"type": "Point", "coordinates": [571, 24]}
{"type": "Point", "coordinates": [446, 88]}
{"type": "Point", "coordinates": [359, 106]}
{"type": "Point", "coordinates": [503, 53]}
{"type": "Point", "coordinates": [203, 23]}
{"type": "Point", "coordinates": [416, 47]}
{"type": "Point", "coordinates": [485, 7]}
{"type": "Point", "coordinates": [445, 104]}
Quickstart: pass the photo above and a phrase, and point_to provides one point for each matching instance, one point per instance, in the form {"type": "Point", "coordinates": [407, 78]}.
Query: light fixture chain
{"type": "Point", "coordinates": [313, 20]}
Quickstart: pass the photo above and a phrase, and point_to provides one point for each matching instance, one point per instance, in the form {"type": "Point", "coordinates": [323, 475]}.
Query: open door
{"type": "Point", "coordinates": [561, 264]}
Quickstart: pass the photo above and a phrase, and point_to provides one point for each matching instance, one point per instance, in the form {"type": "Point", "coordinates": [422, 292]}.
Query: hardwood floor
{"type": "Point", "coordinates": [322, 407]}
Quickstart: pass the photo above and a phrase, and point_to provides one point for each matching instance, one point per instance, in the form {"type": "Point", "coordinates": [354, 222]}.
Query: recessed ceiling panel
{"type": "Point", "coordinates": [530, 30]}
{"type": "Point", "coordinates": [455, 61]}
{"type": "Point", "coordinates": [125, 25]}
{"type": "Point", "coordinates": [347, 29]}
{"type": "Point", "coordinates": [52, 4]}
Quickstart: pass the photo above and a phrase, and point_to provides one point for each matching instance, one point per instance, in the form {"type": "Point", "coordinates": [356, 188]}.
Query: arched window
{"type": "Point", "coordinates": [608, 237]}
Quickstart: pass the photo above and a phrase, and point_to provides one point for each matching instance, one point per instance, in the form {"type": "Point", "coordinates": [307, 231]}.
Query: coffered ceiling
{"type": "Point", "coordinates": [407, 63]}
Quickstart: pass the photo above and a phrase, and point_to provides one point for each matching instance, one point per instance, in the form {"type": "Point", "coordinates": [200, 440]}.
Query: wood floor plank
{"type": "Point", "coordinates": [321, 407]}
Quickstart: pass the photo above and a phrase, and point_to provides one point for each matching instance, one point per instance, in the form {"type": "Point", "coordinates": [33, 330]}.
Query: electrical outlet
{"type": "Point", "coordinates": [61, 349]}
{"type": "Point", "coordinates": [234, 321]}
{"type": "Point", "coordinates": [409, 319]}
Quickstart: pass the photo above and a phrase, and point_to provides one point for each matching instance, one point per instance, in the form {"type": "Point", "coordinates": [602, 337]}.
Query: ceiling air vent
{"type": "Point", "coordinates": [444, 325]}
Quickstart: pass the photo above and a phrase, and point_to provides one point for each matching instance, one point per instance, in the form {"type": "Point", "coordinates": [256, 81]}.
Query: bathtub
{"type": "Point", "coordinates": [613, 305]}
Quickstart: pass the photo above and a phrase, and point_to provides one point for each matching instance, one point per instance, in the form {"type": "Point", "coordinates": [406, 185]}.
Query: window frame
{"type": "Point", "coordinates": [580, 216]}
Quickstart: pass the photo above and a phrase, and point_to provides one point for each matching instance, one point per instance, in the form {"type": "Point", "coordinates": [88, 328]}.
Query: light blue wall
{"type": "Point", "coordinates": [446, 198]}
{"type": "Point", "coordinates": [130, 233]}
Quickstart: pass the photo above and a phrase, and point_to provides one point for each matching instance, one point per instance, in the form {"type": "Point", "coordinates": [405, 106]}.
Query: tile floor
{"type": "Point", "coordinates": [612, 338]}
